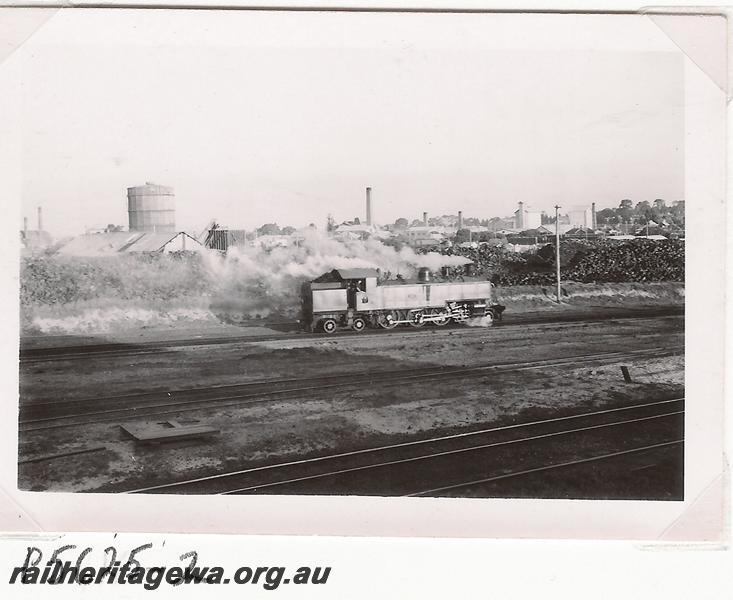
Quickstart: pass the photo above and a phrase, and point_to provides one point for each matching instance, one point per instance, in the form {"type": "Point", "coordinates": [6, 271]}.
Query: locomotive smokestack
{"type": "Point", "coordinates": [460, 219]}
{"type": "Point", "coordinates": [425, 219]}
{"type": "Point", "coordinates": [40, 219]}
{"type": "Point", "coordinates": [369, 207]}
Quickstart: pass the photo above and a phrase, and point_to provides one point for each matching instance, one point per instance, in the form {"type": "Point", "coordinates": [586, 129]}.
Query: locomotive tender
{"type": "Point", "coordinates": [355, 299]}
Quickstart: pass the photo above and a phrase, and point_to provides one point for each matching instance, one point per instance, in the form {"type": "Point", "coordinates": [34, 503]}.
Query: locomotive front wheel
{"type": "Point", "coordinates": [328, 326]}
{"type": "Point", "coordinates": [358, 324]}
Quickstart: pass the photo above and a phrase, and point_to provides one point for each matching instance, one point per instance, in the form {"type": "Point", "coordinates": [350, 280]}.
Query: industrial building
{"type": "Point", "coordinates": [34, 239]}
{"type": "Point", "coordinates": [524, 218]}
{"type": "Point", "coordinates": [216, 238]}
{"type": "Point", "coordinates": [105, 244]}
{"type": "Point", "coordinates": [583, 216]}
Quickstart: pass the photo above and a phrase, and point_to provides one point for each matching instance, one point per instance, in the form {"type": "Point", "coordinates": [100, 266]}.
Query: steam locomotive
{"type": "Point", "coordinates": [356, 299]}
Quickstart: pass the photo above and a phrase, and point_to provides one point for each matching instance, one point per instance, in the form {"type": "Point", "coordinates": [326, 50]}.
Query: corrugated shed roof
{"type": "Point", "coordinates": [538, 231]}
{"type": "Point", "coordinates": [580, 231]}
{"type": "Point", "coordinates": [155, 242]}
{"type": "Point", "coordinates": [150, 242]}
{"type": "Point", "coordinates": [102, 244]}
{"type": "Point", "coordinates": [95, 244]}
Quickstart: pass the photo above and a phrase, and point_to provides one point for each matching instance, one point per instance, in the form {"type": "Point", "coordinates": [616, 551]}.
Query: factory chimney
{"type": "Point", "coordinates": [425, 219]}
{"type": "Point", "coordinates": [369, 207]}
{"type": "Point", "coordinates": [520, 218]}
{"type": "Point", "coordinates": [460, 219]}
{"type": "Point", "coordinates": [593, 216]}
{"type": "Point", "coordinates": [40, 219]}
{"type": "Point", "coordinates": [25, 227]}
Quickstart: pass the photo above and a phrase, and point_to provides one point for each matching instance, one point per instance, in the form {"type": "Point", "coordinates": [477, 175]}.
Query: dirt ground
{"type": "Point", "coordinates": [117, 320]}
{"type": "Point", "coordinates": [338, 420]}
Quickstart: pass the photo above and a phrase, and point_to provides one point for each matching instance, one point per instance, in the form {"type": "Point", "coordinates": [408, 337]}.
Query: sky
{"type": "Point", "coordinates": [280, 117]}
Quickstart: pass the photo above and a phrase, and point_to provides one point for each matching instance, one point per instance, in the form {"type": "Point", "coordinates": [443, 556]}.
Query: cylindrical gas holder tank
{"type": "Point", "coordinates": [151, 207]}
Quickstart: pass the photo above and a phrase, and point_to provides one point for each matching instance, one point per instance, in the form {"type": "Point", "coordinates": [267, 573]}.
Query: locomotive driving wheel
{"type": "Point", "coordinates": [388, 320]}
{"type": "Point", "coordinates": [441, 318]}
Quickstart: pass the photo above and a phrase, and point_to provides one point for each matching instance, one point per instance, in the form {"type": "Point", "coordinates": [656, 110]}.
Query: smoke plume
{"type": "Point", "coordinates": [257, 282]}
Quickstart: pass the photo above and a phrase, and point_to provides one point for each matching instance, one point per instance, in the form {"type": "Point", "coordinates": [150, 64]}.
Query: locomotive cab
{"type": "Point", "coordinates": [338, 299]}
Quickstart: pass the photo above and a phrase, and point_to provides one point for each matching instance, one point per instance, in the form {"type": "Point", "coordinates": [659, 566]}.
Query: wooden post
{"type": "Point", "coordinates": [627, 375]}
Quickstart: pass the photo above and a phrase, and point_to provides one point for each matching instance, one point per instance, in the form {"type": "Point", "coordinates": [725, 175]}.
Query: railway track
{"type": "Point", "coordinates": [45, 415]}
{"type": "Point", "coordinates": [438, 465]}
{"type": "Point", "coordinates": [29, 355]}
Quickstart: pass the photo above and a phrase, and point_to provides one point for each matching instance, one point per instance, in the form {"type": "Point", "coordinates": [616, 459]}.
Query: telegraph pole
{"type": "Point", "coordinates": [557, 250]}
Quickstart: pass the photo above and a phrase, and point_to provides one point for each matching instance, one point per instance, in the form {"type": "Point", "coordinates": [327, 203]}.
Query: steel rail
{"type": "Point", "coordinates": [353, 377]}
{"type": "Point", "coordinates": [444, 453]}
{"type": "Point", "coordinates": [545, 468]}
{"type": "Point", "coordinates": [254, 398]}
{"type": "Point", "coordinates": [50, 353]}
{"type": "Point", "coordinates": [413, 443]}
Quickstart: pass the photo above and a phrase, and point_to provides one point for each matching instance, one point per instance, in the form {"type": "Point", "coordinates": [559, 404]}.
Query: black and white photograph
{"type": "Point", "coordinates": [353, 254]}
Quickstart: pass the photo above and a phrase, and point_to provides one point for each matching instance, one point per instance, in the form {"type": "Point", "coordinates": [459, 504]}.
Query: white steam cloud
{"type": "Point", "coordinates": [252, 282]}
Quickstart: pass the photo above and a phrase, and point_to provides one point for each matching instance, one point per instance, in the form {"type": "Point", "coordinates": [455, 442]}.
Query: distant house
{"type": "Point", "coordinates": [354, 231]}
{"type": "Point", "coordinates": [562, 228]}
{"type": "Point", "coordinates": [499, 224]}
{"type": "Point", "coordinates": [652, 229]}
{"type": "Point", "coordinates": [497, 241]}
{"type": "Point", "coordinates": [579, 232]}
{"type": "Point", "coordinates": [424, 235]}
{"type": "Point", "coordinates": [536, 232]}
{"type": "Point", "coordinates": [272, 241]}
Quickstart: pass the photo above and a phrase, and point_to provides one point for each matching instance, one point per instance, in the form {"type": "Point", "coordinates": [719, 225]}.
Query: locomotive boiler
{"type": "Point", "coordinates": [356, 299]}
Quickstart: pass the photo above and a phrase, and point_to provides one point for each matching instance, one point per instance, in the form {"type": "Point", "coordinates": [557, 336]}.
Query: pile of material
{"type": "Point", "coordinates": [637, 260]}
{"type": "Point", "coordinates": [588, 261]}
